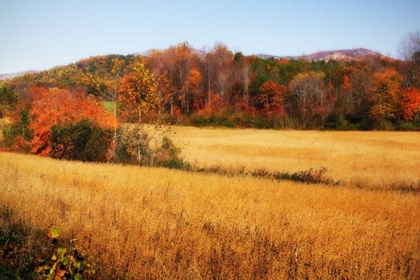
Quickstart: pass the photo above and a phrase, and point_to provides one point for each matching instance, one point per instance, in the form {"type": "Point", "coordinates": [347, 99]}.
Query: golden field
{"type": "Point", "coordinates": [367, 159]}
{"type": "Point", "coordinates": [148, 223]}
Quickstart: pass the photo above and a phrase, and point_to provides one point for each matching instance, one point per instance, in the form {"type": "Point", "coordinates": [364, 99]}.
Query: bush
{"type": "Point", "coordinates": [164, 155]}
{"type": "Point", "coordinates": [18, 135]}
{"type": "Point", "coordinates": [125, 146]}
{"type": "Point", "coordinates": [310, 176]}
{"type": "Point", "coordinates": [408, 126]}
{"type": "Point", "coordinates": [169, 156]}
{"type": "Point", "coordinates": [25, 256]}
{"type": "Point", "coordinates": [333, 121]}
{"type": "Point", "coordinates": [262, 122]}
{"type": "Point", "coordinates": [199, 120]}
{"type": "Point", "coordinates": [316, 122]}
{"type": "Point", "coordinates": [64, 261]}
{"type": "Point", "coordinates": [83, 141]}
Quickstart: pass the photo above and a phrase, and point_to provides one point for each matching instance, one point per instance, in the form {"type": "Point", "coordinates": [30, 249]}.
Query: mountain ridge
{"type": "Point", "coordinates": [341, 54]}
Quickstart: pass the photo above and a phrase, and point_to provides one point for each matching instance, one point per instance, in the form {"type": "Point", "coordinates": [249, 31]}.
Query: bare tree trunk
{"type": "Point", "coordinates": [139, 144]}
{"type": "Point", "coordinates": [114, 156]}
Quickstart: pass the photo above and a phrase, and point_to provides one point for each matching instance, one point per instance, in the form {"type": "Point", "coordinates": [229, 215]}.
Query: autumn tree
{"type": "Point", "coordinates": [138, 97]}
{"type": "Point", "coordinates": [385, 92]}
{"type": "Point", "coordinates": [114, 78]}
{"type": "Point", "coordinates": [243, 73]}
{"type": "Point", "coordinates": [270, 96]}
{"type": "Point", "coordinates": [195, 88]}
{"type": "Point", "coordinates": [271, 99]}
{"type": "Point", "coordinates": [222, 59]}
{"type": "Point", "coordinates": [8, 100]}
{"type": "Point", "coordinates": [218, 77]}
{"type": "Point", "coordinates": [20, 85]}
{"type": "Point", "coordinates": [52, 107]}
{"type": "Point", "coordinates": [164, 90]}
{"type": "Point", "coordinates": [308, 90]}
{"type": "Point", "coordinates": [179, 61]}
{"type": "Point", "coordinates": [409, 51]}
{"type": "Point", "coordinates": [410, 104]}
{"type": "Point", "coordinates": [137, 93]}
{"type": "Point", "coordinates": [208, 75]}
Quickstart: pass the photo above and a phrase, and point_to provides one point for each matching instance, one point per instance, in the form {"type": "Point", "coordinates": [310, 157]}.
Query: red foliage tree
{"type": "Point", "coordinates": [410, 103]}
{"type": "Point", "coordinates": [271, 97]}
{"type": "Point", "coordinates": [58, 106]}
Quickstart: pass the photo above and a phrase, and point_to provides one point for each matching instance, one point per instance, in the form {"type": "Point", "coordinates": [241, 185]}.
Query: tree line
{"type": "Point", "coordinates": [215, 86]}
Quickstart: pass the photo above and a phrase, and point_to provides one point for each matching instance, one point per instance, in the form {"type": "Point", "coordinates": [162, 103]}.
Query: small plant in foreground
{"type": "Point", "coordinates": [65, 263]}
{"type": "Point", "coordinates": [16, 261]}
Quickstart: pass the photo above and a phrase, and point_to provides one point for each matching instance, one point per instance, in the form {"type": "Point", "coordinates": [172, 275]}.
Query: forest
{"type": "Point", "coordinates": [210, 87]}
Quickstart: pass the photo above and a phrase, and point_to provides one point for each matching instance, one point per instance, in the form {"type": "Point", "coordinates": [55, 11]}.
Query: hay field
{"type": "Point", "coordinates": [148, 223]}
{"type": "Point", "coordinates": [366, 159]}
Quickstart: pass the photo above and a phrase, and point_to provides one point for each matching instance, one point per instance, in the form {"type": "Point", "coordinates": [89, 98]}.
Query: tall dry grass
{"type": "Point", "coordinates": [366, 159]}
{"type": "Point", "coordinates": [145, 223]}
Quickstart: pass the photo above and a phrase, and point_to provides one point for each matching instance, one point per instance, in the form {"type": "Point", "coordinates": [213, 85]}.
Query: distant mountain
{"type": "Point", "coordinates": [341, 54]}
{"type": "Point", "coordinates": [267, 56]}
{"type": "Point", "coordinates": [9, 76]}
{"type": "Point", "coordinates": [329, 55]}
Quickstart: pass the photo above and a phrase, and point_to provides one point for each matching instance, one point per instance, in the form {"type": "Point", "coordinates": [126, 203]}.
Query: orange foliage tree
{"type": "Point", "coordinates": [271, 97]}
{"type": "Point", "coordinates": [194, 85]}
{"type": "Point", "coordinates": [410, 104]}
{"type": "Point", "coordinates": [58, 106]}
{"type": "Point", "coordinates": [385, 93]}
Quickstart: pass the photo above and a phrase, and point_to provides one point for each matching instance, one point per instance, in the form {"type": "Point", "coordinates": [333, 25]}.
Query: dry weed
{"type": "Point", "coordinates": [146, 223]}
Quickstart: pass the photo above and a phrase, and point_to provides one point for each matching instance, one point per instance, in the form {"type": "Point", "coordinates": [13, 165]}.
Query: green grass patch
{"type": "Point", "coordinates": [108, 105]}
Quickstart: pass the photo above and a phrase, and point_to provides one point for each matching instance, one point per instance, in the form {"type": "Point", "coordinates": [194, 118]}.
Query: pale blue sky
{"type": "Point", "coordinates": [37, 35]}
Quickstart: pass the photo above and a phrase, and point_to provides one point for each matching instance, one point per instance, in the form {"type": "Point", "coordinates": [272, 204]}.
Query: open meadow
{"type": "Point", "coordinates": [155, 223]}
{"type": "Point", "coordinates": [374, 159]}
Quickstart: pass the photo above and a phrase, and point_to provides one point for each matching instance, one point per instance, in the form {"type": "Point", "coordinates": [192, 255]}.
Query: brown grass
{"type": "Point", "coordinates": [145, 223]}
{"type": "Point", "coordinates": [366, 159]}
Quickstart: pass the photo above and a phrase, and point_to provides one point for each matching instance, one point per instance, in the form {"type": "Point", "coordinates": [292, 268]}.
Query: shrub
{"type": "Point", "coordinates": [261, 122]}
{"type": "Point", "coordinates": [83, 141]}
{"type": "Point", "coordinates": [169, 156]}
{"type": "Point", "coordinates": [15, 259]}
{"type": "Point", "coordinates": [25, 254]}
{"type": "Point", "coordinates": [333, 121]}
{"type": "Point", "coordinates": [312, 176]}
{"type": "Point", "coordinates": [66, 261]}
{"type": "Point", "coordinates": [18, 135]}
{"type": "Point", "coordinates": [199, 120]}
{"type": "Point", "coordinates": [127, 149]}
{"type": "Point", "coordinates": [408, 126]}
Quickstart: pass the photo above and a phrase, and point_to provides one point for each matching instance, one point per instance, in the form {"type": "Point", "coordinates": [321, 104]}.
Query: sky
{"type": "Point", "coordinates": [41, 34]}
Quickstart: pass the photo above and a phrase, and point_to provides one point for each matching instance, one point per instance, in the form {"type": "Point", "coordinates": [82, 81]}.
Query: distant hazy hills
{"type": "Point", "coordinates": [329, 55]}
{"type": "Point", "coordinates": [341, 54]}
{"type": "Point", "coordinates": [12, 75]}
{"type": "Point", "coordinates": [358, 53]}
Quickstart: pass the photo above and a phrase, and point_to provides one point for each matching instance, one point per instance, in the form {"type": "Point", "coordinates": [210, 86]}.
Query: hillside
{"type": "Point", "coordinates": [345, 54]}
{"type": "Point", "coordinates": [357, 53]}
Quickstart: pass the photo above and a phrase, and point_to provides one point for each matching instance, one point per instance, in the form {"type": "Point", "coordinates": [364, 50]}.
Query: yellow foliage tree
{"type": "Point", "coordinates": [140, 99]}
